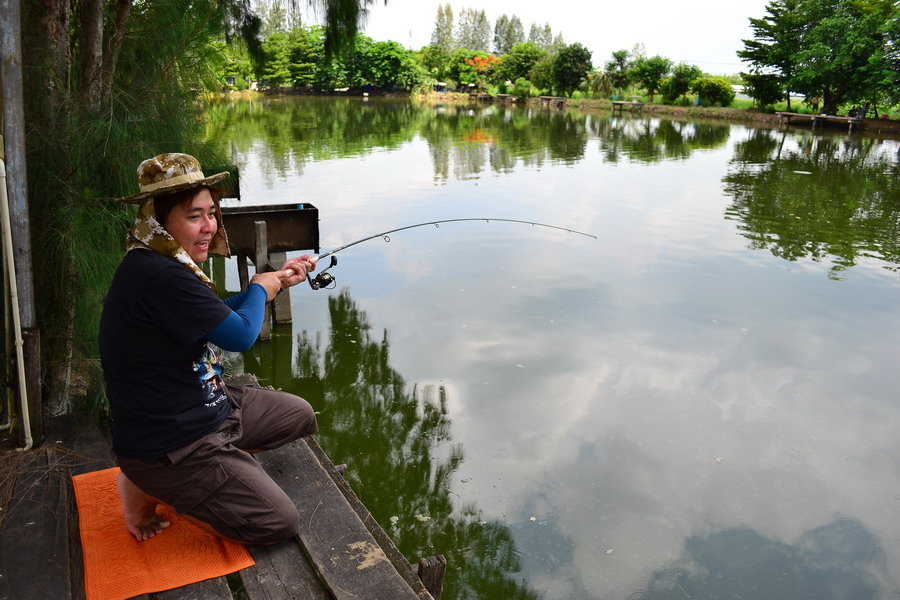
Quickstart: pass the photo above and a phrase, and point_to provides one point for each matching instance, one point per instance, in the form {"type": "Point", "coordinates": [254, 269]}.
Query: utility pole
{"type": "Point", "coordinates": [13, 107]}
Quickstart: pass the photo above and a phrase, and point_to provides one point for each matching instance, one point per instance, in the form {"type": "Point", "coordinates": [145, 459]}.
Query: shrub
{"type": "Point", "coordinates": [766, 90]}
{"type": "Point", "coordinates": [679, 83]}
{"type": "Point", "coordinates": [712, 91]}
{"type": "Point", "coordinates": [524, 89]}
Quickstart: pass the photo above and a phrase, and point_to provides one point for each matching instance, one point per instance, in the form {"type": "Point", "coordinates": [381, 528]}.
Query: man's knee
{"type": "Point", "coordinates": [281, 524]}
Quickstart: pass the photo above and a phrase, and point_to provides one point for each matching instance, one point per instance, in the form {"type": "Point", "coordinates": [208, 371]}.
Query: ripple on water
{"type": "Point", "coordinates": [663, 355]}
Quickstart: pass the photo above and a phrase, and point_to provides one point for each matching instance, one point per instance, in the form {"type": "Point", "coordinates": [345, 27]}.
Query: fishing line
{"type": "Point", "coordinates": [324, 279]}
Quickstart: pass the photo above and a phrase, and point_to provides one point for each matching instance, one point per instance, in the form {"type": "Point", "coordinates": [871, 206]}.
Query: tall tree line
{"type": "Point", "coordinates": [473, 31]}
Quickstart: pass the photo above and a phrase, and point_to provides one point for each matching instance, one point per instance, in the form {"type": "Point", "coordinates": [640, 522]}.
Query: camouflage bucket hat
{"type": "Point", "coordinates": [169, 173]}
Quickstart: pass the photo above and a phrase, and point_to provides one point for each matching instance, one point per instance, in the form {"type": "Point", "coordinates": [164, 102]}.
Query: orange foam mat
{"type": "Point", "coordinates": [116, 566]}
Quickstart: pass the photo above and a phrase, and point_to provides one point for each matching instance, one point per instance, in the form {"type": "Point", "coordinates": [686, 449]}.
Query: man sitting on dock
{"type": "Point", "coordinates": [181, 436]}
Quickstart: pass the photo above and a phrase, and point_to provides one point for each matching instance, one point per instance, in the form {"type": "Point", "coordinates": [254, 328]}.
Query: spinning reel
{"type": "Point", "coordinates": [323, 280]}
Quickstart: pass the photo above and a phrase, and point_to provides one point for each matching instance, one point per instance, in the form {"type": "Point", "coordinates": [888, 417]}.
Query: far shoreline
{"type": "Point", "coordinates": [880, 128]}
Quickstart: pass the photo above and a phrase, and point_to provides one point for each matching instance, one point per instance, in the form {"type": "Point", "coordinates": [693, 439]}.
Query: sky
{"type": "Point", "coordinates": [705, 33]}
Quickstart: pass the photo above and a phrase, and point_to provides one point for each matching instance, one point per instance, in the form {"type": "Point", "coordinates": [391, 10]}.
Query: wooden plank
{"type": "Point", "coordinates": [34, 539]}
{"type": "Point", "coordinates": [282, 572]}
{"type": "Point", "coordinates": [211, 589]}
{"type": "Point", "coordinates": [345, 555]}
{"type": "Point", "coordinates": [384, 540]}
{"type": "Point", "coordinates": [90, 452]}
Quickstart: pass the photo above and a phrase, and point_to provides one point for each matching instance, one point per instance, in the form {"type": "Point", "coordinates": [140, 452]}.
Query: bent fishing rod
{"type": "Point", "coordinates": [325, 280]}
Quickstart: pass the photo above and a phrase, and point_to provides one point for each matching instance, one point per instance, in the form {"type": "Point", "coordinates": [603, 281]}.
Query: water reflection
{"type": "Point", "coordinates": [464, 141]}
{"type": "Point", "coordinates": [835, 561]}
{"type": "Point", "coordinates": [684, 405]}
{"type": "Point", "coordinates": [654, 140]}
{"type": "Point", "coordinates": [396, 438]}
{"type": "Point", "coordinates": [822, 198]}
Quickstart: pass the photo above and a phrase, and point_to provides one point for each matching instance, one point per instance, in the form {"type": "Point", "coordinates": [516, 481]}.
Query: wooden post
{"type": "Point", "coordinates": [261, 260]}
{"type": "Point", "coordinates": [12, 106]}
{"type": "Point", "coordinates": [282, 302]}
{"type": "Point", "coordinates": [31, 346]}
{"type": "Point", "coordinates": [431, 572]}
{"type": "Point", "coordinates": [243, 272]}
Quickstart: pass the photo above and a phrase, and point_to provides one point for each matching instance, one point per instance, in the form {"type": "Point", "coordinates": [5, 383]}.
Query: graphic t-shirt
{"type": "Point", "coordinates": [163, 380]}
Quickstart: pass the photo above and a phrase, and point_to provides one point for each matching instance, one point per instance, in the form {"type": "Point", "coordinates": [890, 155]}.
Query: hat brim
{"type": "Point", "coordinates": [210, 181]}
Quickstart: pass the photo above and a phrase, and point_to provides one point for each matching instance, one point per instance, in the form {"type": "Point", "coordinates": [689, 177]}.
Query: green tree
{"type": "Point", "coordinates": [541, 74]}
{"type": "Point", "coordinates": [713, 90]}
{"type": "Point", "coordinates": [650, 72]}
{"type": "Point", "coordinates": [840, 39]}
{"type": "Point", "coordinates": [307, 53]}
{"type": "Point", "coordinates": [236, 63]}
{"type": "Point", "coordinates": [776, 37]}
{"type": "Point", "coordinates": [570, 67]}
{"type": "Point", "coordinates": [838, 49]}
{"type": "Point", "coordinates": [442, 36]}
{"type": "Point", "coordinates": [436, 61]}
{"type": "Point", "coordinates": [520, 60]}
{"type": "Point", "coordinates": [542, 37]}
{"type": "Point", "coordinates": [473, 30]}
{"type": "Point", "coordinates": [765, 89]}
{"type": "Point", "coordinates": [679, 84]}
{"type": "Point", "coordinates": [277, 60]}
{"type": "Point", "coordinates": [508, 32]}
{"type": "Point", "coordinates": [388, 64]}
{"type": "Point", "coordinates": [619, 69]}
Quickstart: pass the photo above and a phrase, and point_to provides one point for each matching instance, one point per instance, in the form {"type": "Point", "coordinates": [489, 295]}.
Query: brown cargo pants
{"type": "Point", "coordinates": [216, 481]}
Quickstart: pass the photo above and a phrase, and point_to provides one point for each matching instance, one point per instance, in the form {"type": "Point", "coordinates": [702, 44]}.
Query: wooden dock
{"type": "Point", "coordinates": [633, 105]}
{"type": "Point", "coordinates": [786, 118]}
{"type": "Point", "coordinates": [552, 101]}
{"type": "Point", "coordinates": [41, 555]}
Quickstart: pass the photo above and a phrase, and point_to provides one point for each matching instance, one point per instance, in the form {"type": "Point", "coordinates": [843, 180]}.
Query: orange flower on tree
{"type": "Point", "coordinates": [483, 63]}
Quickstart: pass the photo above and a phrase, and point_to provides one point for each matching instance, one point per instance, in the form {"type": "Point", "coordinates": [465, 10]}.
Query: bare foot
{"type": "Point", "coordinates": [140, 510]}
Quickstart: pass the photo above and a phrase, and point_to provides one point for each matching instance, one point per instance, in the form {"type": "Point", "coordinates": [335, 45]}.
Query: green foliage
{"type": "Point", "coordinates": [442, 36]}
{"type": "Point", "coordinates": [436, 61]}
{"type": "Point", "coordinates": [79, 159]}
{"type": "Point", "coordinates": [525, 89]}
{"type": "Point", "coordinates": [473, 30]}
{"type": "Point", "coordinates": [765, 89]}
{"type": "Point", "coordinates": [679, 84]}
{"type": "Point", "coordinates": [388, 64]}
{"type": "Point", "coordinates": [541, 74]}
{"type": "Point", "coordinates": [842, 50]}
{"type": "Point", "coordinates": [277, 60]}
{"type": "Point", "coordinates": [618, 70]}
{"type": "Point", "coordinates": [713, 90]}
{"type": "Point", "coordinates": [570, 67]}
{"type": "Point", "coordinates": [520, 60]}
{"type": "Point", "coordinates": [542, 37]}
{"type": "Point", "coordinates": [650, 72]}
{"type": "Point", "coordinates": [508, 32]}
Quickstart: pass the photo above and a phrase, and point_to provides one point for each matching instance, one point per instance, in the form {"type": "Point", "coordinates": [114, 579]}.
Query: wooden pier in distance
{"type": "Point", "coordinates": [786, 118]}
{"type": "Point", "coordinates": [634, 105]}
{"type": "Point", "coordinates": [40, 545]}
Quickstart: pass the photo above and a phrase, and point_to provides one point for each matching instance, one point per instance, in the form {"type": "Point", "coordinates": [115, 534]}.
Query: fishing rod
{"type": "Point", "coordinates": [325, 280]}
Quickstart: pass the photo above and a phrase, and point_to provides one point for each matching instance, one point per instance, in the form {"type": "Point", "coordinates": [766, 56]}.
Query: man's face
{"type": "Point", "coordinates": [193, 224]}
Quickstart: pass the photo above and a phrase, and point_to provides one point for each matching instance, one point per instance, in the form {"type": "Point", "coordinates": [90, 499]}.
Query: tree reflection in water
{"type": "Point", "coordinates": [838, 560]}
{"type": "Point", "coordinates": [396, 439]}
{"type": "Point", "coordinates": [821, 198]}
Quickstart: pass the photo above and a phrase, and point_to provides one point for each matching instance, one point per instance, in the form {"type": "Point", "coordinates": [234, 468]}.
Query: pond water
{"type": "Point", "coordinates": [702, 402]}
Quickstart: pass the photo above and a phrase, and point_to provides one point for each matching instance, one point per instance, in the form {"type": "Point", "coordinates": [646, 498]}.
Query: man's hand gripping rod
{"type": "Point", "coordinates": [323, 280]}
